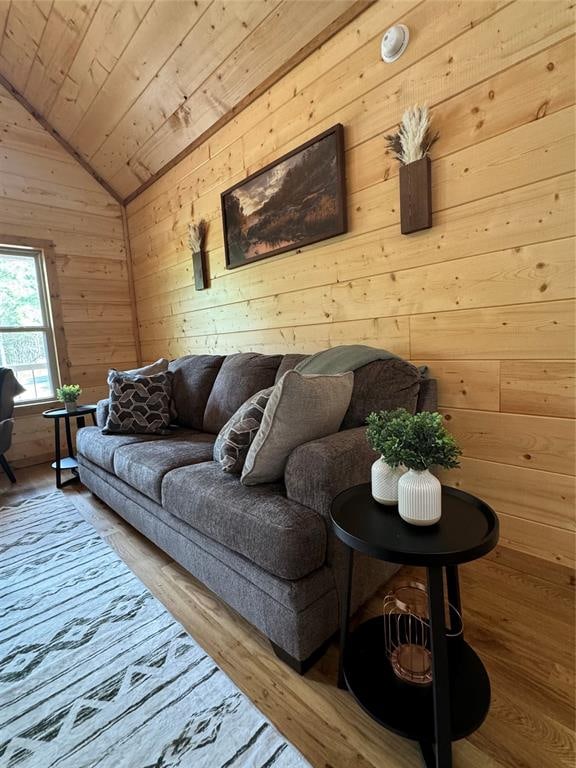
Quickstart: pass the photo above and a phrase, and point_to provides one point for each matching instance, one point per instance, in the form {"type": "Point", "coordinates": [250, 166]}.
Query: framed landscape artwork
{"type": "Point", "coordinates": [297, 200]}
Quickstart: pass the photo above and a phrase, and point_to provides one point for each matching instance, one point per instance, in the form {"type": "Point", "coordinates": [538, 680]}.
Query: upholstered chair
{"type": "Point", "coordinates": [9, 389]}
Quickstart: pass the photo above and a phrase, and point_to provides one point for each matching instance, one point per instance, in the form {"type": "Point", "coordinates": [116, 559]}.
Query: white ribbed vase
{"type": "Point", "coordinates": [385, 482]}
{"type": "Point", "coordinates": [419, 497]}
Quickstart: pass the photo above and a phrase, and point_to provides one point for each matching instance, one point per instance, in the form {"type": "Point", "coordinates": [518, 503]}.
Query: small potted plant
{"type": "Point", "coordinates": [69, 394]}
{"type": "Point", "coordinates": [421, 442]}
{"type": "Point", "coordinates": [417, 443]}
{"type": "Point", "coordinates": [385, 474]}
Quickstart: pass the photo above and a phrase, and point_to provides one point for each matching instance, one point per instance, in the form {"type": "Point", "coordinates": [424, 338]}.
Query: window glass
{"type": "Point", "coordinates": [20, 303]}
{"type": "Point", "coordinates": [26, 338]}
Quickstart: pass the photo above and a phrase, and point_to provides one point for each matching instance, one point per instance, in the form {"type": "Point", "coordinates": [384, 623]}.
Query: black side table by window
{"type": "Point", "coordinates": [457, 701]}
{"type": "Point", "coordinates": [68, 462]}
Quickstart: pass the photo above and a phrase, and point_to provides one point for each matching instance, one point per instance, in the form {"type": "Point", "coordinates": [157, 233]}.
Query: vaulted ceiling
{"type": "Point", "coordinates": [130, 84]}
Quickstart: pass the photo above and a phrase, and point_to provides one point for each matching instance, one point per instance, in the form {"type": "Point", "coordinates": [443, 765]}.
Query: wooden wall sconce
{"type": "Point", "coordinates": [197, 240]}
{"type": "Point", "coordinates": [411, 146]}
{"type": "Point", "coordinates": [415, 196]}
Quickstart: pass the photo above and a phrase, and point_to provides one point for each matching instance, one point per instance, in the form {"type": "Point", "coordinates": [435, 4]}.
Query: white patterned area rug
{"type": "Point", "coordinates": [95, 672]}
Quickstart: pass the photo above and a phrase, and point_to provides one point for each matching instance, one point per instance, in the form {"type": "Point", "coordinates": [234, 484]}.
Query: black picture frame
{"type": "Point", "coordinates": [328, 150]}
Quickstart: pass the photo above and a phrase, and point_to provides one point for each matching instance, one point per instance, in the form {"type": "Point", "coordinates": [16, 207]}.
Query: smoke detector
{"type": "Point", "coordinates": [394, 43]}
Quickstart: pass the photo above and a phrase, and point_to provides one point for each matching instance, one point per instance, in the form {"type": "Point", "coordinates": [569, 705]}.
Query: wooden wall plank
{"type": "Point", "coordinates": [471, 384]}
{"type": "Point", "coordinates": [538, 539]}
{"type": "Point", "coordinates": [28, 140]}
{"type": "Point", "coordinates": [29, 190]}
{"type": "Point", "coordinates": [541, 497]}
{"type": "Point", "coordinates": [390, 333]}
{"type": "Point", "coordinates": [83, 311]}
{"type": "Point", "coordinates": [524, 441]}
{"type": "Point", "coordinates": [519, 333]}
{"type": "Point", "coordinates": [49, 220]}
{"type": "Point", "coordinates": [545, 388]}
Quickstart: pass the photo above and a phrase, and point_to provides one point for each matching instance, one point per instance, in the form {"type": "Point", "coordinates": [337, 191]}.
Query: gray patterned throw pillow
{"type": "Point", "coordinates": [139, 404]}
{"type": "Point", "coordinates": [236, 436]}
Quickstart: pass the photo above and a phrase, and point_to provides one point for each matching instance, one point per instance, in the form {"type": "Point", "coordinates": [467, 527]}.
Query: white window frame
{"type": "Point", "coordinates": [47, 327]}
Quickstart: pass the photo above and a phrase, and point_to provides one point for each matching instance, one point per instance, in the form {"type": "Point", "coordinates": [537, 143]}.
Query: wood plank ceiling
{"type": "Point", "coordinates": [131, 84]}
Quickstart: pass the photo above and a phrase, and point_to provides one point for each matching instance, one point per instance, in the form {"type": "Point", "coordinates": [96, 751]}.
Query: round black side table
{"type": "Point", "coordinates": [68, 462]}
{"type": "Point", "coordinates": [457, 701]}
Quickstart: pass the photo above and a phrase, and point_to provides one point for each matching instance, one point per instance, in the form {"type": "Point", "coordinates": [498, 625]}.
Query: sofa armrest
{"type": "Point", "coordinates": [318, 471]}
{"type": "Point", "coordinates": [102, 408]}
{"type": "Point", "coordinates": [427, 395]}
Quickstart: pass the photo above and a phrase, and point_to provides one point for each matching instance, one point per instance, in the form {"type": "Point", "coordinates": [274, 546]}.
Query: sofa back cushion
{"type": "Point", "coordinates": [159, 366]}
{"type": "Point", "coordinates": [289, 362]}
{"type": "Point", "coordinates": [381, 386]}
{"type": "Point", "coordinates": [240, 377]}
{"type": "Point", "coordinates": [194, 377]}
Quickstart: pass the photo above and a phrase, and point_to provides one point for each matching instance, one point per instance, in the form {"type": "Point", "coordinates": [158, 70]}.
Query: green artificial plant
{"type": "Point", "coordinates": [416, 441]}
{"type": "Point", "coordinates": [68, 393]}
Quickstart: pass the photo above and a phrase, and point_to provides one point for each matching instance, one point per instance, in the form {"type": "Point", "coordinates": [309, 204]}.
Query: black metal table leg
{"type": "Point", "coordinates": [440, 671]}
{"type": "Point", "coordinates": [7, 469]}
{"type": "Point", "coordinates": [345, 614]}
{"type": "Point", "coordinates": [428, 754]}
{"type": "Point", "coordinates": [57, 451]}
{"type": "Point", "coordinates": [453, 590]}
{"type": "Point", "coordinates": [80, 424]}
{"type": "Point", "coordinates": [69, 436]}
{"type": "Point", "coordinates": [94, 420]}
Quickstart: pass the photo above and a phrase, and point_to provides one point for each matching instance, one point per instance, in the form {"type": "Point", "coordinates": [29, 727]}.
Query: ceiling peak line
{"type": "Point", "coordinates": [59, 138]}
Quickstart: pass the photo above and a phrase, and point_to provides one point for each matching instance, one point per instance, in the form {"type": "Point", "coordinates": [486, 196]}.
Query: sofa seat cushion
{"type": "Point", "coordinates": [260, 523]}
{"type": "Point", "coordinates": [144, 465]}
{"type": "Point", "coordinates": [100, 448]}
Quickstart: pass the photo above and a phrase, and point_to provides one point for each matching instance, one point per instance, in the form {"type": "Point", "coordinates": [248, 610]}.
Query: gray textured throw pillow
{"type": "Point", "coordinates": [301, 408]}
{"type": "Point", "coordinates": [237, 435]}
{"type": "Point", "coordinates": [138, 404]}
{"type": "Point", "coordinates": [158, 366]}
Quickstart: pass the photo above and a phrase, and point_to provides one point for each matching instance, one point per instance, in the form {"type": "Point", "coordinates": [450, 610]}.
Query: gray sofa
{"type": "Point", "coordinates": [266, 550]}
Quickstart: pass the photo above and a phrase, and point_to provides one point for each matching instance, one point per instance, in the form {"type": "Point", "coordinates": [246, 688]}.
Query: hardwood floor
{"type": "Point", "coordinates": [522, 624]}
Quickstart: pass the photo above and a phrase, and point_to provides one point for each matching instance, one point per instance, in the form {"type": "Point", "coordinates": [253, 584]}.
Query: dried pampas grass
{"type": "Point", "coordinates": [414, 138]}
{"type": "Point", "coordinates": [197, 235]}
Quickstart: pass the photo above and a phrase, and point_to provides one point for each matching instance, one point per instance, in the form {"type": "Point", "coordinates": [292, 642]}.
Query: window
{"type": "Point", "coordinates": [26, 337]}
